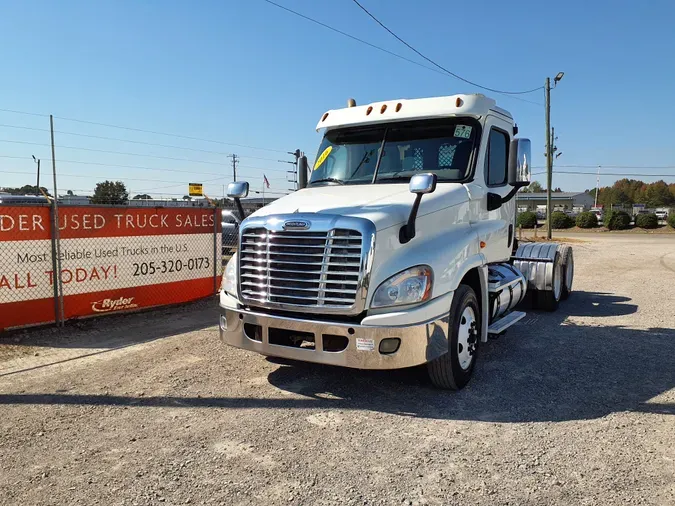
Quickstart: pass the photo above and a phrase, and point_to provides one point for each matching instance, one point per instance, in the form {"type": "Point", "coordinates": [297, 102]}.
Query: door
{"type": "Point", "coordinates": [497, 229]}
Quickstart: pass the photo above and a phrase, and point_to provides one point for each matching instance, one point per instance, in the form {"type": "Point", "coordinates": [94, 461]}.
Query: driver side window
{"type": "Point", "coordinates": [496, 159]}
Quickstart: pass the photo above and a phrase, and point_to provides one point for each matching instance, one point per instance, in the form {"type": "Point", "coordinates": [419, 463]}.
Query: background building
{"type": "Point", "coordinates": [561, 201]}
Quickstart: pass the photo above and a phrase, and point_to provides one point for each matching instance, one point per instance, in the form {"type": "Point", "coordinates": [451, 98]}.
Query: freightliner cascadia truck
{"type": "Point", "coordinates": [401, 251]}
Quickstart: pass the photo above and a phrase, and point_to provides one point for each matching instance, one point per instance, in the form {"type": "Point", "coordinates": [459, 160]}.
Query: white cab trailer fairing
{"type": "Point", "coordinates": [474, 105]}
{"type": "Point", "coordinates": [315, 269]}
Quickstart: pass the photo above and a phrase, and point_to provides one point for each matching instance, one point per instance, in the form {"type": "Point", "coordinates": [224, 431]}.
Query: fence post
{"type": "Point", "coordinates": [55, 265]}
{"type": "Point", "coordinates": [215, 250]}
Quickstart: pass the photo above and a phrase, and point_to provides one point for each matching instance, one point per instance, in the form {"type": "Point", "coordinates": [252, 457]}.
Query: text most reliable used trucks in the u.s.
{"type": "Point", "coordinates": [401, 251]}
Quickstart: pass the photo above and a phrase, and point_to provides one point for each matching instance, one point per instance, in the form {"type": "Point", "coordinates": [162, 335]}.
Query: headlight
{"type": "Point", "coordinates": [408, 287]}
{"type": "Point", "coordinates": [229, 283]}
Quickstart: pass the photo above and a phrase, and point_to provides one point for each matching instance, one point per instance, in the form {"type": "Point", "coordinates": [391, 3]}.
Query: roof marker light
{"type": "Point", "coordinates": [324, 117]}
{"type": "Point", "coordinates": [398, 106]}
{"type": "Point", "coordinates": [369, 110]}
{"type": "Point", "coordinates": [458, 102]}
{"type": "Point", "coordinates": [383, 108]}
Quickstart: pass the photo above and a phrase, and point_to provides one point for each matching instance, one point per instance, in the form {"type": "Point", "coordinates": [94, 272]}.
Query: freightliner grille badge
{"type": "Point", "coordinates": [296, 225]}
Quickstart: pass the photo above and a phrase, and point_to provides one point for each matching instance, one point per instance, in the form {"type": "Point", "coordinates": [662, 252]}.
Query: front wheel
{"type": "Point", "coordinates": [453, 370]}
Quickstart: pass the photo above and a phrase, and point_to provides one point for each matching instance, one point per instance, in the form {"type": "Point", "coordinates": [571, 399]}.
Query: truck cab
{"type": "Point", "coordinates": [401, 250]}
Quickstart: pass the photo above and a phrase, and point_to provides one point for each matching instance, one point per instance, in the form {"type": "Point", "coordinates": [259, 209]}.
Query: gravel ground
{"type": "Point", "coordinates": [575, 407]}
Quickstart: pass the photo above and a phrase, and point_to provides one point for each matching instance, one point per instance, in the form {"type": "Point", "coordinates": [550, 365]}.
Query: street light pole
{"type": "Point", "coordinates": [37, 160]}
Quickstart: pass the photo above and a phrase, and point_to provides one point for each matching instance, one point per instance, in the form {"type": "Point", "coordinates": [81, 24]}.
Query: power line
{"type": "Point", "coordinates": [107, 177]}
{"type": "Point", "coordinates": [439, 66]}
{"type": "Point", "coordinates": [374, 46]}
{"type": "Point", "coordinates": [636, 174]}
{"type": "Point", "coordinates": [61, 132]}
{"type": "Point", "coordinates": [140, 167]}
{"type": "Point", "coordinates": [609, 166]}
{"type": "Point", "coordinates": [187, 160]}
{"type": "Point", "coordinates": [153, 132]}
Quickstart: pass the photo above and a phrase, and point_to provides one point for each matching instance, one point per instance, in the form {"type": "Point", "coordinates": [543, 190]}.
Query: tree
{"type": "Point", "coordinates": [557, 190]}
{"type": "Point", "coordinates": [70, 192]}
{"type": "Point", "coordinates": [658, 195]}
{"type": "Point", "coordinates": [143, 196]}
{"type": "Point", "coordinates": [27, 190]}
{"type": "Point", "coordinates": [110, 192]}
{"type": "Point", "coordinates": [535, 187]}
{"type": "Point", "coordinates": [187, 197]}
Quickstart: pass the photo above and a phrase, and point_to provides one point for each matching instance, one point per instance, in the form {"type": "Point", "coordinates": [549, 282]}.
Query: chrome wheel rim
{"type": "Point", "coordinates": [467, 330]}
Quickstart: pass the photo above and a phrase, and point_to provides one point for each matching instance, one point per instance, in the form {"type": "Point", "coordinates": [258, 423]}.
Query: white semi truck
{"type": "Point", "coordinates": [401, 251]}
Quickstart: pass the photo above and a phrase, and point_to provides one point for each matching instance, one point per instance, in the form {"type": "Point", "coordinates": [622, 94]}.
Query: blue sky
{"type": "Point", "coordinates": [245, 72]}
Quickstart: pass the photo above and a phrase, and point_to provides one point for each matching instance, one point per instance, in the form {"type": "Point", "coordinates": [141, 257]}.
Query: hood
{"type": "Point", "coordinates": [385, 205]}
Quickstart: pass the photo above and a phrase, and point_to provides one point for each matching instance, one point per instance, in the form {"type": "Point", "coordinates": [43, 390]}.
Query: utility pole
{"type": "Point", "coordinates": [597, 188]}
{"type": "Point", "coordinates": [549, 158]}
{"type": "Point", "coordinates": [235, 160]}
{"type": "Point", "coordinates": [57, 275]}
{"type": "Point", "coordinates": [549, 150]}
{"type": "Point", "coordinates": [297, 154]}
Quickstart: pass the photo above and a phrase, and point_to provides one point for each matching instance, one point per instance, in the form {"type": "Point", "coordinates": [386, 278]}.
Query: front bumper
{"type": "Point", "coordinates": [419, 343]}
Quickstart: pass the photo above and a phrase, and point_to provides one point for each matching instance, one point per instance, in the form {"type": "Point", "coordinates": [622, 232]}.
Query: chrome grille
{"type": "Point", "coordinates": [300, 268]}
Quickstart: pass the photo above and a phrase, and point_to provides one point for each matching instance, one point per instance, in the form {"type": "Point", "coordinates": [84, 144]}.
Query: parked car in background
{"type": "Point", "coordinates": [661, 214]}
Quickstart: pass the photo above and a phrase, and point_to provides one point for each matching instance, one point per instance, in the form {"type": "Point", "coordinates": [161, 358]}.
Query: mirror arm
{"type": "Point", "coordinates": [407, 231]}
{"type": "Point", "coordinates": [240, 209]}
{"type": "Point", "coordinates": [511, 194]}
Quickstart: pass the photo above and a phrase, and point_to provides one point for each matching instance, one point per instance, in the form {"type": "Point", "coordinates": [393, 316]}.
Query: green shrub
{"type": "Point", "coordinates": [528, 219]}
{"type": "Point", "coordinates": [647, 221]}
{"type": "Point", "coordinates": [671, 218]}
{"type": "Point", "coordinates": [561, 220]}
{"type": "Point", "coordinates": [617, 220]}
{"type": "Point", "coordinates": [587, 219]}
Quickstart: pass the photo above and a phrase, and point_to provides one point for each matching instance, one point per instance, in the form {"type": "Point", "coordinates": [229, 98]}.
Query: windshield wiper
{"type": "Point", "coordinates": [328, 180]}
{"type": "Point", "coordinates": [392, 178]}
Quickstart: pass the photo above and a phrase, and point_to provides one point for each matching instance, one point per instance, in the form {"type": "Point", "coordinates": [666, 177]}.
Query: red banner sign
{"type": "Point", "coordinates": [111, 260]}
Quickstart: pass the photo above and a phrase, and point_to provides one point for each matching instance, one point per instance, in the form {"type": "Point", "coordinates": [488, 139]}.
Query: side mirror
{"type": "Point", "coordinates": [423, 183]}
{"type": "Point", "coordinates": [520, 156]}
{"type": "Point", "coordinates": [237, 190]}
{"type": "Point", "coordinates": [420, 184]}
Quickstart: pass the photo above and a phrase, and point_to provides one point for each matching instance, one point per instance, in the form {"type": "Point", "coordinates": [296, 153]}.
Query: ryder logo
{"type": "Point", "coordinates": [107, 305]}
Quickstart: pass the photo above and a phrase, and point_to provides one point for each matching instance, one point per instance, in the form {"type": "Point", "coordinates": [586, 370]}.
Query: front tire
{"type": "Point", "coordinates": [453, 370]}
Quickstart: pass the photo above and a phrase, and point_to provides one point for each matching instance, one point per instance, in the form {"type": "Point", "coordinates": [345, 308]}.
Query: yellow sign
{"type": "Point", "coordinates": [195, 190]}
{"type": "Point", "coordinates": [322, 157]}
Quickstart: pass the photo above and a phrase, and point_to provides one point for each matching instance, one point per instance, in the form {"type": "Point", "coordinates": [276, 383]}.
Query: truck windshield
{"type": "Point", "coordinates": [350, 155]}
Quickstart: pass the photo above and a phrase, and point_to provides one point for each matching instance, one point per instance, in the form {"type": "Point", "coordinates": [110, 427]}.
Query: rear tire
{"type": "Point", "coordinates": [453, 370]}
{"type": "Point", "coordinates": [567, 257]}
{"type": "Point", "coordinates": [549, 300]}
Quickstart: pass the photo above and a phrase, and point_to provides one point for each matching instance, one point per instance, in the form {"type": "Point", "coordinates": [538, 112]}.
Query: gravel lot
{"type": "Point", "coordinates": [575, 407]}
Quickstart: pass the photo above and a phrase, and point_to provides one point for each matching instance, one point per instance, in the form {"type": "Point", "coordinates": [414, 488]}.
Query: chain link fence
{"type": "Point", "coordinates": [28, 261]}
{"type": "Point", "coordinates": [106, 258]}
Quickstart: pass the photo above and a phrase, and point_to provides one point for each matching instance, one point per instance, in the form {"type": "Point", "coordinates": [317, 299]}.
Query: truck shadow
{"type": "Point", "coordinates": [549, 367]}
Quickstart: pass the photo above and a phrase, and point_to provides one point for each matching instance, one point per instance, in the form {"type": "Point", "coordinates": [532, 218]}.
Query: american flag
{"type": "Point", "coordinates": [267, 183]}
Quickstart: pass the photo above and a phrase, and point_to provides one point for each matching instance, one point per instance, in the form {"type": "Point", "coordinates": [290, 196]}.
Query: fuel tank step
{"type": "Point", "coordinates": [499, 326]}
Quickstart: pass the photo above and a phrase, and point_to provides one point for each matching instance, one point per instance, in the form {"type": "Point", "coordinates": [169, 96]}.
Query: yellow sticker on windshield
{"type": "Point", "coordinates": [322, 157]}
